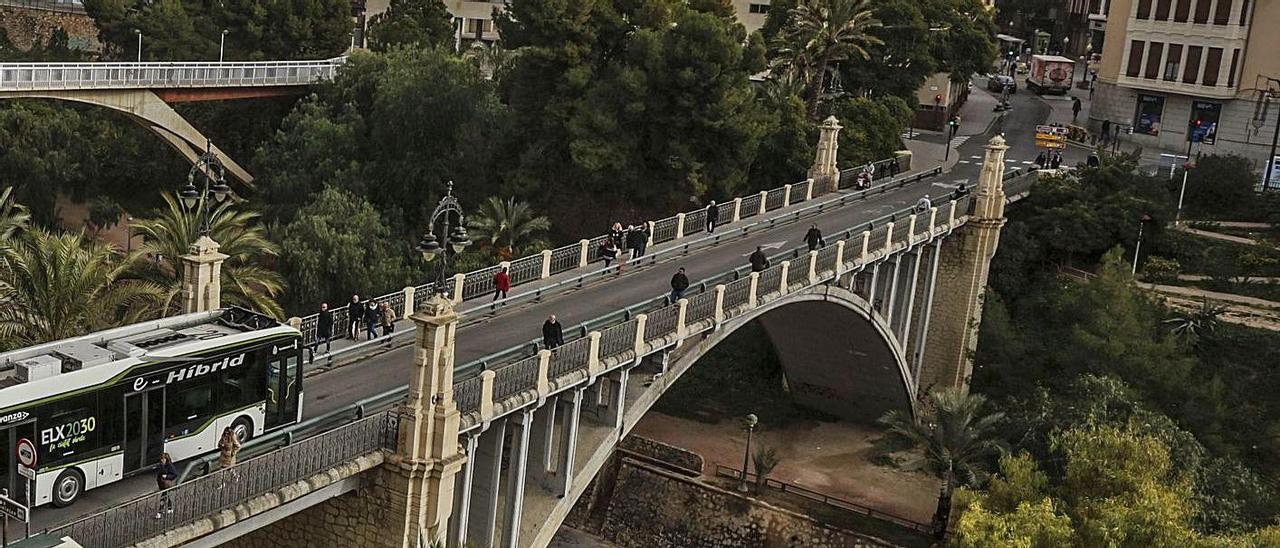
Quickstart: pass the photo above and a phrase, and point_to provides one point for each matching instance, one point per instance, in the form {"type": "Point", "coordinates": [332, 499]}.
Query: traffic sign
{"type": "Point", "coordinates": [10, 508]}
{"type": "Point", "coordinates": [26, 453]}
{"type": "Point", "coordinates": [24, 471]}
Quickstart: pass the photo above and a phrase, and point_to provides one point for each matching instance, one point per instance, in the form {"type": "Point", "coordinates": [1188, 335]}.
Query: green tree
{"type": "Point", "coordinates": [492, 59]}
{"type": "Point", "coordinates": [903, 58]}
{"type": "Point", "coordinates": [507, 226]}
{"type": "Point", "coordinates": [964, 43]}
{"type": "Point", "coordinates": [13, 216]}
{"type": "Point", "coordinates": [55, 286]}
{"type": "Point", "coordinates": [411, 23]}
{"type": "Point", "coordinates": [872, 128]}
{"type": "Point", "coordinates": [338, 245]}
{"type": "Point", "coordinates": [830, 31]}
{"type": "Point", "coordinates": [246, 280]}
{"type": "Point", "coordinates": [957, 437]}
{"type": "Point", "coordinates": [1220, 186]}
{"type": "Point", "coordinates": [763, 462]}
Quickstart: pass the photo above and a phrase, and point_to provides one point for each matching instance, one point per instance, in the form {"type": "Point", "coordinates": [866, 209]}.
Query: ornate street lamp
{"type": "Point", "coordinates": [749, 424]}
{"type": "Point", "coordinates": [457, 240]}
{"type": "Point", "coordinates": [214, 189]}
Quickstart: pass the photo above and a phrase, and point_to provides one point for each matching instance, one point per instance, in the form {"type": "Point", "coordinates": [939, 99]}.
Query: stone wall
{"type": "Point", "coordinates": [653, 508]}
{"type": "Point", "coordinates": [678, 458]}
{"type": "Point", "coordinates": [27, 26]}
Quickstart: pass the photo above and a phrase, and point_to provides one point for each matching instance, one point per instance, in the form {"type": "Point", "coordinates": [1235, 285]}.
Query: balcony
{"type": "Point", "coordinates": [1166, 86]}
{"type": "Point", "coordinates": [1225, 36]}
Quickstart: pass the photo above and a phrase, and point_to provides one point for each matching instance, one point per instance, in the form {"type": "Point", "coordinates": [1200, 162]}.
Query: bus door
{"type": "Point", "coordinates": [284, 383]}
{"type": "Point", "coordinates": [143, 428]}
{"type": "Point", "coordinates": [9, 478]}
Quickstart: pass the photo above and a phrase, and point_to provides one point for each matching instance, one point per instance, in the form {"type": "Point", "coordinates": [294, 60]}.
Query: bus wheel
{"type": "Point", "coordinates": [243, 429]}
{"type": "Point", "coordinates": [67, 488]}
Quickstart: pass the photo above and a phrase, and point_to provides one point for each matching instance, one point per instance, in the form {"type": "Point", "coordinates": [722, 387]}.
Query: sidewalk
{"type": "Point", "coordinates": [928, 148]}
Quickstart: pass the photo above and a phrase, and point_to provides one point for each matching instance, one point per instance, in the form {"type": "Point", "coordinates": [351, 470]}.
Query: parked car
{"type": "Point", "coordinates": [997, 83]}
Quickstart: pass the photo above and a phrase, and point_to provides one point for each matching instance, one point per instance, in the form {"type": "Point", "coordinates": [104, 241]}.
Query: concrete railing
{"type": "Point", "coordinates": [478, 284]}
{"type": "Point", "coordinates": [76, 76]}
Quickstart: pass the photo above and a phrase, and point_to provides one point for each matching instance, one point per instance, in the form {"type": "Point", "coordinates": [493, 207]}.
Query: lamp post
{"type": "Point", "coordinates": [1186, 168]}
{"type": "Point", "coordinates": [749, 424]}
{"type": "Point", "coordinates": [222, 44]}
{"type": "Point", "coordinates": [430, 246]}
{"type": "Point", "coordinates": [214, 189]}
{"type": "Point", "coordinates": [139, 33]}
{"type": "Point", "coordinates": [1142, 222]}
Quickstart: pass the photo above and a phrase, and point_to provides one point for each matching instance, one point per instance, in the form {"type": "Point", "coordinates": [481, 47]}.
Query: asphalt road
{"type": "Point", "coordinates": [342, 386]}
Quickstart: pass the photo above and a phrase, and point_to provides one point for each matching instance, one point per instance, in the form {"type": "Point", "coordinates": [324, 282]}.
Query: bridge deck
{"type": "Point", "coordinates": [18, 77]}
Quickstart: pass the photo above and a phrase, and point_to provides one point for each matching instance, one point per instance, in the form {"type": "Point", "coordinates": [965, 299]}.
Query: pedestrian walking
{"type": "Point", "coordinates": [1075, 108]}
{"type": "Point", "coordinates": [924, 204]}
{"type": "Point", "coordinates": [1057, 160]}
{"type": "Point", "coordinates": [1106, 132]}
{"type": "Point", "coordinates": [608, 252]}
{"type": "Point", "coordinates": [759, 261]}
{"type": "Point", "coordinates": [638, 239]}
{"type": "Point", "coordinates": [166, 477]}
{"type": "Point", "coordinates": [552, 334]}
{"type": "Point", "coordinates": [355, 313]}
{"type": "Point", "coordinates": [814, 237]}
{"type": "Point", "coordinates": [371, 319]}
{"type": "Point", "coordinates": [501, 283]}
{"type": "Point", "coordinates": [1041, 160]}
{"type": "Point", "coordinates": [960, 192]}
{"type": "Point", "coordinates": [387, 318]}
{"type": "Point", "coordinates": [324, 330]}
{"type": "Point", "coordinates": [679, 284]}
{"type": "Point", "coordinates": [713, 216]}
{"type": "Point", "coordinates": [228, 448]}
{"type": "Point", "coordinates": [893, 168]}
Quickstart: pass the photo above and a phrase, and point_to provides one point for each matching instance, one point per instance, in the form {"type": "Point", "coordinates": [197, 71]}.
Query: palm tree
{"type": "Point", "coordinates": [491, 59]}
{"type": "Point", "coordinates": [54, 286]}
{"type": "Point", "coordinates": [13, 216]}
{"type": "Point", "coordinates": [507, 226]}
{"type": "Point", "coordinates": [764, 461]}
{"type": "Point", "coordinates": [829, 31]}
{"type": "Point", "coordinates": [958, 438]}
{"type": "Point", "coordinates": [245, 282]}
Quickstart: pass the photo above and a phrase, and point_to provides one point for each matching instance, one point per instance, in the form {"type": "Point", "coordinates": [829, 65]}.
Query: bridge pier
{"type": "Point", "coordinates": [517, 460]}
{"type": "Point", "coordinates": [482, 520]}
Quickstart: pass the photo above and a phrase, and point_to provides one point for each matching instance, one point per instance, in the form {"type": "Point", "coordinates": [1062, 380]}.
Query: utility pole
{"type": "Point", "coordinates": [1275, 138]}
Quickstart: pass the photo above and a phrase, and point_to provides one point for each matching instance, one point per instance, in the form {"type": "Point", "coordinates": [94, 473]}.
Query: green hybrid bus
{"type": "Point", "coordinates": [102, 407]}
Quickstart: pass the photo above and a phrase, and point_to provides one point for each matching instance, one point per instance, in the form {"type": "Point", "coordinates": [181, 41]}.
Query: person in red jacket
{"type": "Point", "coordinates": [501, 284]}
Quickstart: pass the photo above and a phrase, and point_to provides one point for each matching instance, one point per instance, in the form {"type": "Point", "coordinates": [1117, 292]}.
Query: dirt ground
{"type": "Point", "coordinates": [834, 458]}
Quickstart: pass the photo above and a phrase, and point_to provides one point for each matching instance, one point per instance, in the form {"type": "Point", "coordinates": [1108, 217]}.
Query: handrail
{"type": "Point", "coordinates": [165, 74]}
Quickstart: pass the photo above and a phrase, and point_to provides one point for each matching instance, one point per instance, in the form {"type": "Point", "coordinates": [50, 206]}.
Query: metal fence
{"type": "Point", "coordinates": [155, 513]}
{"type": "Point", "coordinates": [64, 76]}
{"type": "Point", "coordinates": [511, 379]}
{"type": "Point", "coordinates": [664, 230]}
{"type": "Point", "coordinates": [750, 206]}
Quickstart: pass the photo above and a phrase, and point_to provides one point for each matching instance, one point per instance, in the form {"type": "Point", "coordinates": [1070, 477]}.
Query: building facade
{"type": "Point", "coordinates": [1190, 75]}
{"type": "Point", "coordinates": [476, 16]}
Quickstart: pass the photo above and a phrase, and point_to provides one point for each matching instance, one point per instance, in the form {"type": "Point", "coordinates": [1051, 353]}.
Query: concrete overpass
{"type": "Point", "coordinates": [144, 91]}
{"type": "Point", "coordinates": [524, 412]}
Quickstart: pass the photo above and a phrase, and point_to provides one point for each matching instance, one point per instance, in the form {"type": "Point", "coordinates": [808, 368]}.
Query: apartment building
{"type": "Point", "coordinates": [476, 16]}
{"type": "Point", "coordinates": [1186, 74]}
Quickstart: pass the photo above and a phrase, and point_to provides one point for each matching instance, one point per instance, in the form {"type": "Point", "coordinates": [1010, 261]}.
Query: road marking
{"type": "Point", "coordinates": [975, 157]}
{"type": "Point", "coordinates": [963, 162]}
{"type": "Point", "coordinates": [952, 185]}
{"type": "Point", "coordinates": [770, 245]}
{"type": "Point", "coordinates": [1027, 162]}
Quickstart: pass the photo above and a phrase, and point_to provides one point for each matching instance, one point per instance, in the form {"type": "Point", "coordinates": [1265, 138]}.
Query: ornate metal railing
{"type": "Point", "coordinates": [67, 76]}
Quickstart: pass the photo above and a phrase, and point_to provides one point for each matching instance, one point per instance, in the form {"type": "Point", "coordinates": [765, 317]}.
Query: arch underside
{"type": "Point", "coordinates": [148, 110]}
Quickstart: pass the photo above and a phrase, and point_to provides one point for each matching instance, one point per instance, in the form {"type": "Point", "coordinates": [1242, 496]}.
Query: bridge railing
{"type": "Point", "coordinates": [150, 515]}
{"type": "Point", "coordinates": [70, 76]}
{"type": "Point", "coordinates": [479, 283]}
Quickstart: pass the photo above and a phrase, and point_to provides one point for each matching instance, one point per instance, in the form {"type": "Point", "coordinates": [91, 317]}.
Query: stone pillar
{"type": "Point", "coordinates": [462, 498]}
{"type": "Point", "coordinates": [569, 416]}
{"type": "Point", "coordinates": [755, 287]}
{"type": "Point", "coordinates": [679, 226]}
{"type": "Point", "coordinates": [813, 267]}
{"type": "Point", "coordinates": [786, 195]}
{"type": "Point", "coordinates": [540, 439]}
{"type": "Point", "coordinates": [617, 382]}
{"type": "Point", "coordinates": [824, 172]}
{"type": "Point", "coordinates": [409, 292]}
{"type": "Point", "coordinates": [583, 246]}
{"type": "Point", "coordinates": [782, 280]}
{"type": "Point", "coordinates": [423, 470]}
{"type": "Point", "coordinates": [483, 516]}
{"type": "Point", "coordinates": [202, 276]}
{"type": "Point", "coordinates": [520, 425]}
{"type": "Point", "coordinates": [737, 210]}
{"type": "Point", "coordinates": [459, 283]}
{"type": "Point", "coordinates": [764, 202]}
{"type": "Point", "coordinates": [546, 264]}
{"type": "Point", "coordinates": [719, 310]}
{"type": "Point", "coordinates": [962, 279]}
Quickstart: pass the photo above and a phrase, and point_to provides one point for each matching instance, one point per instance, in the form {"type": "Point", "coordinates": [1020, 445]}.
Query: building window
{"type": "Point", "coordinates": [1144, 9]}
{"type": "Point", "coordinates": [1223, 15]}
{"type": "Point", "coordinates": [1153, 60]}
{"type": "Point", "coordinates": [1202, 11]}
{"type": "Point", "coordinates": [1203, 126]}
{"type": "Point", "coordinates": [1244, 12]}
{"type": "Point", "coordinates": [1135, 58]}
{"type": "Point", "coordinates": [1192, 72]}
{"type": "Point", "coordinates": [1212, 65]}
{"type": "Point", "coordinates": [1147, 118]}
{"type": "Point", "coordinates": [758, 8]}
{"type": "Point", "coordinates": [1180, 13]}
{"type": "Point", "coordinates": [1235, 60]}
{"type": "Point", "coordinates": [1173, 62]}
{"type": "Point", "coordinates": [1162, 9]}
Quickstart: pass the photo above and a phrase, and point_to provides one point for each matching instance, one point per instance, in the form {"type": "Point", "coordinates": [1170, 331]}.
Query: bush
{"type": "Point", "coordinates": [1221, 187]}
{"type": "Point", "coordinates": [1161, 270]}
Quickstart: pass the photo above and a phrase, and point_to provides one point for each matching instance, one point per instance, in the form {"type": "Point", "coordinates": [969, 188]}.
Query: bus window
{"type": "Point", "coordinates": [274, 394]}
{"type": "Point", "coordinates": [190, 406]}
{"type": "Point", "coordinates": [292, 387]}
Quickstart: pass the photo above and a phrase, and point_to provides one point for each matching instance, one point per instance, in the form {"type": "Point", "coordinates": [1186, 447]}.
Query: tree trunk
{"type": "Point", "coordinates": [815, 94]}
{"type": "Point", "coordinates": [942, 515]}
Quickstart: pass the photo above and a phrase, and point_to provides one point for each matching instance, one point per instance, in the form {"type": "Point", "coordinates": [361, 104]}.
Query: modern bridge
{"type": "Point", "coordinates": [144, 91]}
{"type": "Point", "coordinates": [903, 302]}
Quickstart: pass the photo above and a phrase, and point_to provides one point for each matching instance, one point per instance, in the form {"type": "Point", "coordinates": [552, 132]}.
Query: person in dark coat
{"type": "Point", "coordinates": [1042, 161]}
{"type": "Point", "coordinates": [1106, 132]}
{"type": "Point", "coordinates": [814, 237]}
{"type": "Point", "coordinates": [501, 283]}
{"type": "Point", "coordinates": [638, 239]}
{"type": "Point", "coordinates": [324, 329]}
{"type": "Point", "coordinates": [355, 314]}
{"type": "Point", "coordinates": [713, 216]}
{"type": "Point", "coordinates": [552, 335]}
{"type": "Point", "coordinates": [608, 252]}
{"type": "Point", "coordinates": [1057, 160]}
{"type": "Point", "coordinates": [893, 168]}
{"type": "Point", "coordinates": [617, 235]}
{"type": "Point", "coordinates": [679, 283]}
{"type": "Point", "coordinates": [371, 320]}
{"type": "Point", "coordinates": [759, 261]}
{"type": "Point", "coordinates": [166, 478]}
